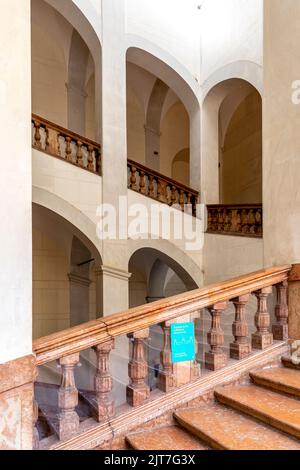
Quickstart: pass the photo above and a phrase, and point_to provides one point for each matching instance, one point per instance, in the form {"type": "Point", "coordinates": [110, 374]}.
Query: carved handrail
{"type": "Point", "coordinates": [101, 331]}
{"type": "Point", "coordinates": [161, 188]}
{"type": "Point", "coordinates": [62, 143]}
{"type": "Point", "coordinates": [244, 220]}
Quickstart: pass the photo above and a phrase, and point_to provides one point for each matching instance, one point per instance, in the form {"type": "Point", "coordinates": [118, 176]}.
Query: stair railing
{"type": "Point", "coordinates": [62, 143]}
{"type": "Point", "coordinates": [100, 335]}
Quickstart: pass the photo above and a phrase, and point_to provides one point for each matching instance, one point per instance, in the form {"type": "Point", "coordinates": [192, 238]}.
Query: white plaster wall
{"type": "Point", "coordinates": [225, 257]}
{"type": "Point", "coordinates": [15, 181]}
{"type": "Point", "coordinates": [191, 261]}
{"type": "Point", "coordinates": [81, 189]}
{"type": "Point", "coordinates": [281, 136]}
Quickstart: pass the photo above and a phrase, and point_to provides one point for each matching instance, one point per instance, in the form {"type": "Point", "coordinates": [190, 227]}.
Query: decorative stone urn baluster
{"type": "Point", "coordinates": [165, 375]}
{"type": "Point", "coordinates": [68, 149]}
{"type": "Point", "coordinates": [138, 391]}
{"type": "Point", "coordinates": [173, 196]}
{"type": "Point", "coordinates": [47, 142]}
{"type": "Point", "coordinates": [216, 359]}
{"type": "Point", "coordinates": [79, 156]}
{"type": "Point", "coordinates": [37, 135]}
{"type": "Point", "coordinates": [262, 338]}
{"type": "Point", "coordinates": [182, 199]}
{"type": "Point", "coordinates": [241, 346]}
{"type": "Point", "coordinates": [281, 329]}
{"type": "Point", "coordinates": [98, 162]}
{"type": "Point", "coordinates": [161, 191]}
{"type": "Point", "coordinates": [142, 183]}
{"type": "Point", "coordinates": [133, 184]}
{"type": "Point", "coordinates": [68, 419]}
{"type": "Point", "coordinates": [151, 186]}
{"type": "Point", "coordinates": [90, 158]}
{"type": "Point", "coordinates": [58, 145]}
{"type": "Point", "coordinates": [103, 405]}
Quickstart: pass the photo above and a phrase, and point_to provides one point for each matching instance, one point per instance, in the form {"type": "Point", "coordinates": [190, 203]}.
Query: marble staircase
{"type": "Point", "coordinates": [261, 415]}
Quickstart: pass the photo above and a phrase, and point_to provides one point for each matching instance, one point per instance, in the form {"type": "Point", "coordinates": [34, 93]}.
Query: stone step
{"type": "Point", "coordinates": [166, 438]}
{"type": "Point", "coordinates": [279, 379]}
{"type": "Point", "coordinates": [287, 362]}
{"type": "Point", "coordinates": [279, 411]}
{"type": "Point", "coordinates": [225, 429]}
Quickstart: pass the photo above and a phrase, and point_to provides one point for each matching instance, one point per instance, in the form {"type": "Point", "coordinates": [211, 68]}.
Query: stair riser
{"type": "Point", "coordinates": [276, 387]}
{"type": "Point", "coordinates": [265, 418]}
{"type": "Point", "coordinates": [201, 435]}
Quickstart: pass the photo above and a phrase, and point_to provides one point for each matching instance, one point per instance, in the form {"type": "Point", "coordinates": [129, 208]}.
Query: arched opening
{"type": "Point", "coordinates": [181, 166]}
{"type": "Point", "coordinates": [64, 281]}
{"type": "Point", "coordinates": [232, 144]}
{"type": "Point", "coordinates": [240, 143]}
{"type": "Point", "coordinates": [65, 71]}
{"type": "Point", "coordinates": [162, 116]}
{"type": "Point", "coordinates": [155, 276]}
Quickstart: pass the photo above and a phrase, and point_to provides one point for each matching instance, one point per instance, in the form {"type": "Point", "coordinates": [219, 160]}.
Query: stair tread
{"type": "Point", "coordinates": [223, 428]}
{"type": "Point", "coordinates": [167, 438]}
{"type": "Point", "coordinates": [280, 378]}
{"type": "Point", "coordinates": [273, 408]}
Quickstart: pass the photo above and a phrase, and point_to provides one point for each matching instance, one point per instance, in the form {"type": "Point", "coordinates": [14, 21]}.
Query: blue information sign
{"type": "Point", "coordinates": [183, 342]}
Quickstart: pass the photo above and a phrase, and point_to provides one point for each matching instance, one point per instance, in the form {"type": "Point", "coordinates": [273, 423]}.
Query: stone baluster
{"type": "Point", "coordinates": [138, 391]}
{"type": "Point", "coordinates": [190, 208]}
{"type": "Point", "coordinates": [143, 182]}
{"type": "Point", "coordinates": [58, 145]}
{"type": "Point", "coordinates": [103, 405]}
{"type": "Point", "coordinates": [68, 420]}
{"type": "Point", "coordinates": [133, 183]}
{"type": "Point", "coordinates": [216, 359]}
{"type": "Point", "coordinates": [262, 338]}
{"type": "Point", "coordinates": [281, 329]}
{"type": "Point", "coordinates": [98, 162]}
{"type": "Point", "coordinates": [68, 149]}
{"type": "Point", "coordinates": [173, 196]}
{"type": "Point", "coordinates": [47, 142]}
{"type": "Point", "coordinates": [182, 199]}
{"type": "Point", "coordinates": [79, 156]}
{"type": "Point", "coordinates": [241, 346]}
{"type": "Point", "coordinates": [165, 376]}
{"type": "Point", "coordinates": [151, 186]}
{"type": "Point", "coordinates": [37, 135]}
{"type": "Point", "coordinates": [161, 191]}
{"type": "Point", "coordinates": [91, 165]}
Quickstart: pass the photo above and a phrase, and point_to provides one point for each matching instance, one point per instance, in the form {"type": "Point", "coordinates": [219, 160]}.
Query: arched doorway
{"type": "Point", "coordinates": [64, 281]}
{"type": "Point", "coordinates": [66, 88]}
{"type": "Point", "coordinates": [163, 115]}
{"type": "Point", "coordinates": [232, 144]}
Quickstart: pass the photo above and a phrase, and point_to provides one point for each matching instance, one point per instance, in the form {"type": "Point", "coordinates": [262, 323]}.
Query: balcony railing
{"type": "Point", "coordinates": [161, 188]}
{"type": "Point", "coordinates": [66, 145]}
{"type": "Point", "coordinates": [243, 220]}
{"type": "Point", "coordinates": [61, 412]}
